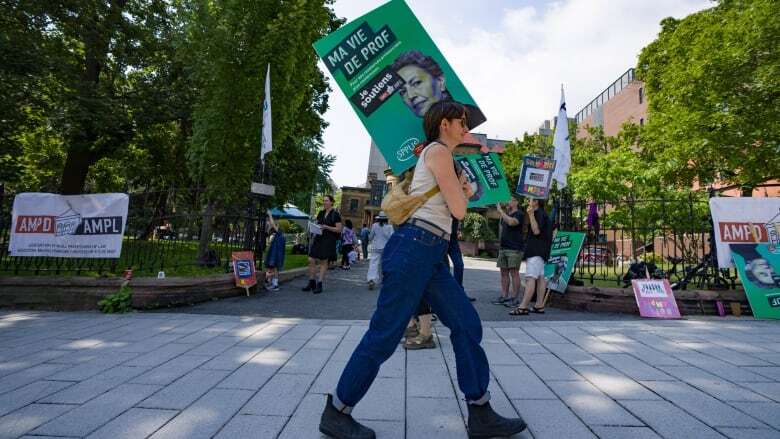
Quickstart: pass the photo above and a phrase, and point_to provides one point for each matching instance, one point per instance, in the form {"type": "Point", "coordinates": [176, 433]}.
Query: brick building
{"type": "Point", "coordinates": [623, 101]}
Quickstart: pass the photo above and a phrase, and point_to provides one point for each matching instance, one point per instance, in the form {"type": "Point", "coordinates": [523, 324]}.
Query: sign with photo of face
{"type": "Point", "coordinates": [487, 178]}
{"type": "Point", "coordinates": [392, 73]}
{"type": "Point", "coordinates": [759, 272]}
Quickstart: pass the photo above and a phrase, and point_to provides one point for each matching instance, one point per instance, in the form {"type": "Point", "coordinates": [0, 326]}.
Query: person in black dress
{"type": "Point", "coordinates": [323, 247]}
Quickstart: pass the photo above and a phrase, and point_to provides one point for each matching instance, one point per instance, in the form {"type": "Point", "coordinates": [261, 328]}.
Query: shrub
{"type": "Point", "coordinates": [652, 258]}
{"type": "Point", "coordinates": [119, 302]}
{"type": "Point", "coordinates": [474, 228]}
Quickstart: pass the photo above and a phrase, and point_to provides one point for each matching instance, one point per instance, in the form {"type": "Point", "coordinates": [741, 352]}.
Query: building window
{"type": "Point", "coordinates": [353, 204]}
{"type": "Point", "coordinates": [641, 95]}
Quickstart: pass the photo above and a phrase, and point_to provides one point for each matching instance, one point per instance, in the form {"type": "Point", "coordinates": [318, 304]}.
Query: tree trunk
{"type": "Point", "coordinates": [74, 174]}
{"type": "Point", "coordinates": [205, 232]}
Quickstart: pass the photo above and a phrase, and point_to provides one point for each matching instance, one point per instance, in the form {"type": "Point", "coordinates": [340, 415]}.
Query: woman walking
{"type": "Point", "coordinates": [347, 244]}
{"type": "Point", "coordinates": [323, 248]}
{"type": "Point", "coordinates": [380, 233]}
{"type": "Point", "coordinates": [414, 268]}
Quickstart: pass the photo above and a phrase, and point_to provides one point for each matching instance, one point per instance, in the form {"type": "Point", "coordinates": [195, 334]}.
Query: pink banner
{"type": "Point", "coordinates": [655, 298]}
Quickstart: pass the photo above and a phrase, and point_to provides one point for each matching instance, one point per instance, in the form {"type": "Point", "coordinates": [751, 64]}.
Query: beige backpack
{"type": "Point", "coordinates": [399, 205]}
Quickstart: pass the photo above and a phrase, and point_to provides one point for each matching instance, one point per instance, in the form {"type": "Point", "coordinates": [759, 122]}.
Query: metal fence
{"type": "Point", "coordinates": [163, 233]}
{"type": "Point", "coordinates": [675, 235]}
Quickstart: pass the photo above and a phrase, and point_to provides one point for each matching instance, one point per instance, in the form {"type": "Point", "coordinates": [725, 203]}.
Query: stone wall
{"type": "Point", "coordinates": [621, 300]}
{"type": "Point", "coordinates": [84, 293]}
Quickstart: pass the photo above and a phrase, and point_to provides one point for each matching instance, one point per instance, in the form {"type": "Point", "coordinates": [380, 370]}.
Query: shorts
{"type": "Point", "coordinates": [534, 267]}
{"type": "Point", "coordinates": [509, 258]}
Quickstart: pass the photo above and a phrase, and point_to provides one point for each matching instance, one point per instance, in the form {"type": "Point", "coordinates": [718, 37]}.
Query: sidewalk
{"type": "Point", "coordinates": [347, 296]}
{"type": "Point", "coordinates": [200, 376]}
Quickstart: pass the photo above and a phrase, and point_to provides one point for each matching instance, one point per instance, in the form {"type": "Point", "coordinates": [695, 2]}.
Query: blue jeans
{"type": "Point", "coordinates": [457, 260]}
{"type": "Point", "coordinates": [414, 267]}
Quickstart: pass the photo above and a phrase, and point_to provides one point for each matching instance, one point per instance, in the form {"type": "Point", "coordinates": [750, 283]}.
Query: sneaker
{"type": "Point", "coordinates": [317, 288]}
{"type": "Point", "coordinates": [273, 288]}
{"type": "Point", "coordinates": [420, 342]}
{"type": "Point", "coordinates": [310, 286]}
{"type": "Point", "coordinates": [500, 300]}
{"type": "Point", "coordinates": [339, 425]}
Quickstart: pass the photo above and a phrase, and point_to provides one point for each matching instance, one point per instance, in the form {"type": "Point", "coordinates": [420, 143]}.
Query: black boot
{"type": "Point", "coordinates": [310, 286]}
{"type": "Point", "coordinates": [485, 423]}
{"type": "Point", "coordinates": [341, 425]}
{"type": "Point", "coordinates": [317, 288]}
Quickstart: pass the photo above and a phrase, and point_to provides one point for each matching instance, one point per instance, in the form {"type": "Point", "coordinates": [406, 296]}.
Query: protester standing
{"type": "Point", "coordinates": [379, 235]}
{"type": "Point", "coordinates": [323, 248]}
{"type": "Point", "coordinates": [365, 233]}
{"type": "Point", "coordinates": [510, 253]}
{"type": "Point", "coordinates": [413, 269]}
{"type": "Point", "coordinates": [537, 252]}
{"type": "Point", "coordinates": [274, 258]}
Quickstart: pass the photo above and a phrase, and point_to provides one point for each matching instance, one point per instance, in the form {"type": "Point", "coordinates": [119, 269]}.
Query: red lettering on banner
{"type": "Point", "coordinates": [34, 224]}
{"type": "Point", "coordinates": [740, 232]}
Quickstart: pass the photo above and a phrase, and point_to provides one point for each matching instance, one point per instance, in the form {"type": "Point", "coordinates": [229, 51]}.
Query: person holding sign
{"type": "Point", "coordinates": [510, 252]}
{"type": "Point", "coordinates": [414, 268]}
{"type": "Point", "coordinates": [323, 248]}
{"type": "Point", "coordinates": [537, 251]}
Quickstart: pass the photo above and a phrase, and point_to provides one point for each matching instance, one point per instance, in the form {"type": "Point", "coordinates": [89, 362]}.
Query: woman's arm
{"type": "Point", "coordinates": [512, 221]}
{"type": "Point", "coordinates": [532, 219]}
{"type": "Point", "coordinates": [439, 161]}
{"type": "Point", "coordinates": [271, 220]}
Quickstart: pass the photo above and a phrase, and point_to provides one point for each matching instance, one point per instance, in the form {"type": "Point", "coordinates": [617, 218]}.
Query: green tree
{"type": "Point", "coordinates": [82, 79]}
{"type": "Point", "coordinates": [230, 44]}
{"type": "Point", "coordinates": [712, 82]}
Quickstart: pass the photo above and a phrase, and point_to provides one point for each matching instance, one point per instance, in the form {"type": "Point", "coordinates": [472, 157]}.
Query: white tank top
{"type": "Point", "coordinates": [434, 210]}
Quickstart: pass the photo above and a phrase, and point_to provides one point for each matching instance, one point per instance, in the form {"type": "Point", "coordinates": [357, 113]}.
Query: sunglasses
{"type": "Point", "coordinates": [463, 121]}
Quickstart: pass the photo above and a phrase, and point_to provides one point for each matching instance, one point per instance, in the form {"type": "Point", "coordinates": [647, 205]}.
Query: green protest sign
{"type": "Point", "coordinates": [759, 271]}
{"type": "Point", "coordinates": [487, 178]}
{"type": "Point", "coordinates": [392, 72]}
{"type": "Point", "coordinates": [563, 256]}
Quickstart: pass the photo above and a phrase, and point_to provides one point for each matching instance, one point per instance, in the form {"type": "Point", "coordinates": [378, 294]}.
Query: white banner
{"type": "Point", "coordinates": [68, 226]}
{"type": "Point", "coordinates": [744, 220]}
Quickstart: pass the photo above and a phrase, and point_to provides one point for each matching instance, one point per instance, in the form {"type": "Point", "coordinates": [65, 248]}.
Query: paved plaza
{"type": "Point", "coordinates": [347, 296]}
{"type": "Point", "coordinates": [198, 376]}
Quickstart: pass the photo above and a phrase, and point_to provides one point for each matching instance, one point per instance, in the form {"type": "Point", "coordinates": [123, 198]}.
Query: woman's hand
{"type": "Point", "coordinates": [468, 191]}
{"type": "Point", "coordinates": [530, 210]}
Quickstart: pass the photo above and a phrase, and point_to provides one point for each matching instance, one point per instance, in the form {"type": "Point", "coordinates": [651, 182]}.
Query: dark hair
{"type": "Point", "coordinates": [330, 197]}
{"type": "Point", "coordinates": [540, 203]}
{"type": "Point", "coordinates": [439, 111]}
{"type": "Point", "coordinates": [419, 59]}
{"type": "Point", "coordinates": [348, 223]}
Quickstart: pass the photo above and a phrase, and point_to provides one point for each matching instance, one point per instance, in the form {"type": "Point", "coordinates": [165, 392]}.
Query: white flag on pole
{"type": "Point", "coordinates": [562, 146]}
{"type": "Point", "coordinates": [266, 146]}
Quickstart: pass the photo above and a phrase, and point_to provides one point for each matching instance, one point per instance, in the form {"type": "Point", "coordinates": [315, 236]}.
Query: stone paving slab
{"type": "Point", "coordinates": [193, 376]}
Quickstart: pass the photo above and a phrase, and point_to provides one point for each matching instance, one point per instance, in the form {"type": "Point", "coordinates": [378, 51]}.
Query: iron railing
{"type": "Point", "coordinates": [162, 233]}
{"type": "Point", "coordinates": [675, 235]}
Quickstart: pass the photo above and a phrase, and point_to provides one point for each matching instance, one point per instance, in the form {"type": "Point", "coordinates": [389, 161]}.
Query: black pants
{"type": "Point", "coordinates": [345, 249]}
